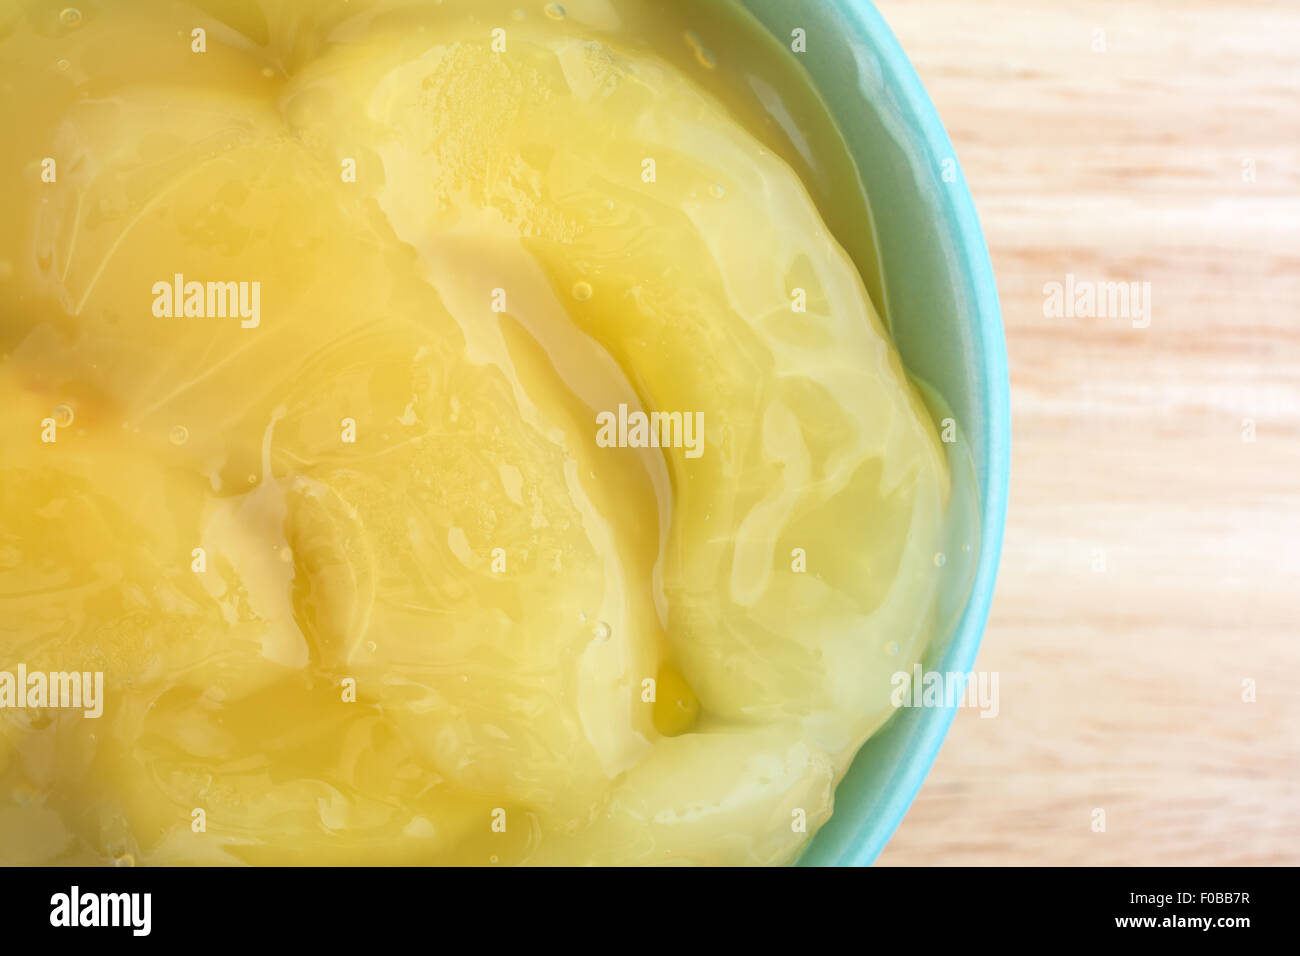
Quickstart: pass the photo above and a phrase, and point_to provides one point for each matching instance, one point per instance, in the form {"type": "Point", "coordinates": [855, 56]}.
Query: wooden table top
{"type": "Point", "coordinates": [1152, 558]}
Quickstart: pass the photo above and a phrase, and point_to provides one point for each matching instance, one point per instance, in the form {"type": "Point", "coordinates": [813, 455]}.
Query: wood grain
{"type": "Point", "coordinates": [1121, 688]}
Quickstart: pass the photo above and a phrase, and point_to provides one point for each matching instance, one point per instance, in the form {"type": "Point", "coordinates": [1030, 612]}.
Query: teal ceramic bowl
{"type": "Point", "coordinates": [943, 310]}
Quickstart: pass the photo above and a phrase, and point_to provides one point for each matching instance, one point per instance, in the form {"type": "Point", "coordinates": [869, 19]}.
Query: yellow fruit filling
{"type": "Point", "coordinates": [453, 433]}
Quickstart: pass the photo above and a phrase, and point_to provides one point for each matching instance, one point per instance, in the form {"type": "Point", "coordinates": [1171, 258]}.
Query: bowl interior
{"type": "Point", "coordinates": [942, 308]}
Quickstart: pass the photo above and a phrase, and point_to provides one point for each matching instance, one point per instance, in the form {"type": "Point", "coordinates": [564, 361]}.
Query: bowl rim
{"type": "Point", "coordinates": [873, 826]}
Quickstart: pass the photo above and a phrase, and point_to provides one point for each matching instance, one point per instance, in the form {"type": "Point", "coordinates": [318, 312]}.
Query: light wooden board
{"type": "Point", "coordinates": [1121, 688]}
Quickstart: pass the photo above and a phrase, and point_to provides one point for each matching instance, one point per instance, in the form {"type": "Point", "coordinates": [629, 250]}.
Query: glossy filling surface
{"type": "Point", "coordinates": [328, 355]}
